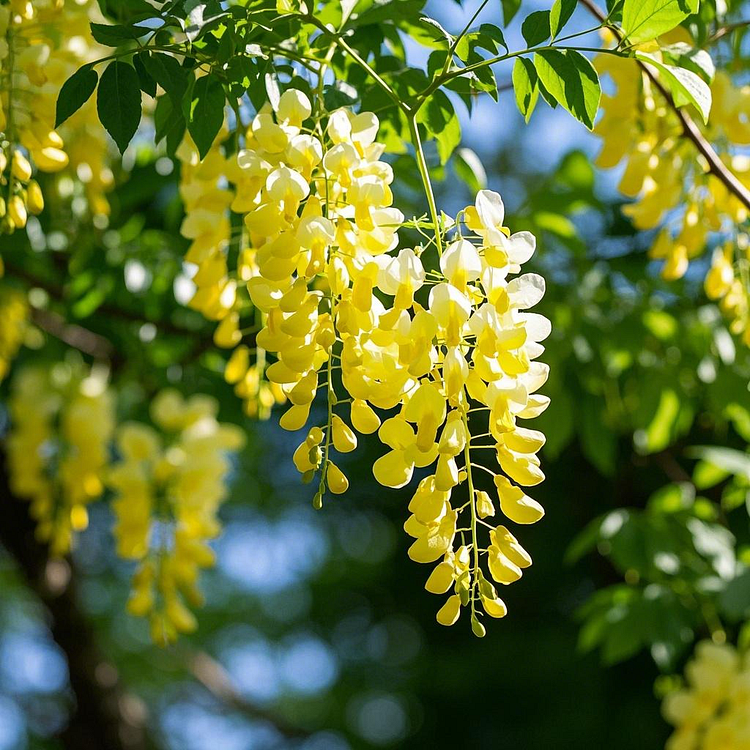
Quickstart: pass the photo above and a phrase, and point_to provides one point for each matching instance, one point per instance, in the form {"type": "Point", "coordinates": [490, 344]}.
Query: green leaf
{"type": "Point", "coordinates": [559, 225]}
{"type": "Point", "coordinates": [168, 73]}
{"type": "Point", "coordinates": [114, 36]}
{"type": "Point", "coordinates": [536, 27]}
{"type": "Point", "coordinates": [685, 86]}
{"type": "Point", "coordinates": [442, 124]}
{"type": "Point", "coordinates": [734, 601]}
{"type": "Point", "coordinates": [510, 8]}
{"type": "Point", "coordinates": [740, 418]}
{"type": "Point", "coordinates": [576, 172]}
{"type": "Point", "coordinates": [715, 543]}
{"type": "Point", "coordinates": [338, 94]}
{"type": "Point", "coordinates": [730, 460]}
{"type": "Point", "coordinates": [169, 123]}
{"type": "Point", "coordinates": [733, 497]}
{"type": "Point", "coordinates": [525, 80]}
{"type": "Point", "coordinates": [243, 73]}
{"type": "Point", "coordinates": [685, 56]}
{"type": "Point", "coordinates": [206, 112]}
{"type": "Point", "coordinates": [661, 324]}
{"type": "Point", "coordinates": [384, 11]}
{"type": "Point", "coordinates": [347, 6]}
{"type": "Point", "coordinates": [226, 49]}
{"type": "Point", "coordinates": [706, 474]}
{"type": "Point", "coordinates": [624, 637]}
{"type": "Point", "coordinates": [643, 20]}
{"type": "Point", "coordinates": [661, 430]}
{"type": "Point", "coordinates": [126, 10]}
{"type": "Point", "coordinates": [429, 33]}
{"type": "Point", "coordinates": [118, 102]}
{"type": "Point", "coordinates": [203, 17]}
{"type": "Point", "coordinates": [489, 31]}
{"type": "Point", "coordinates": [147, 83]}
{"type": "Point", "coordinates": [672, 498]}
{"type": "Point", "coordinates": [560, 14]}
{"type": "Point", "coordinates": [546, 95]}
{"type": "Point", "coordinates": [483, 79]}
{"type": "Point", "coordinates": [584, 542]}
{"type": "Point", "coordinates": [598, 442]}
{"type": "Point", "coordinates": [75, 92]}
{"type": "Point", "coordinates": [571, 79]}
{"type": "Point", "coordinates": [466, 45]}
{"type": "Point", "coordinates": [469, 169]}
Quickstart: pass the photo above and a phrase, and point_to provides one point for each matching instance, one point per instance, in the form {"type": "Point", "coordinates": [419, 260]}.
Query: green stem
{"type": "Point", "coordinates": [465, 29]}
{"type": "Point", "coordinates": [473, 507]}
{"type": "Point", "coordinates": [458, 72]}
{"type": "Point", "coordinates": [9, 124]}
{"type": "Point", "coordinates": [330, 399]}
{"type": "Point", "coordinates": [424, 173]}
{"type": "Point", "coordinates": [360, 61]}
{"type": "Point", "coordinates": [322, 69]}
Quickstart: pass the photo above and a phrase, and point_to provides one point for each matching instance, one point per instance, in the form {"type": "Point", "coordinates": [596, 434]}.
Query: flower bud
{"type": "Point", "coordinates": [337, 481]}
{"type": "Point", "coordinates": [34, 198]}
{"type": "Point", "coordinates": [17, 211]}
{"type": "Point", "coordinates": [344, 440]}
{"type": "Point", "coordinates": [20, 167]}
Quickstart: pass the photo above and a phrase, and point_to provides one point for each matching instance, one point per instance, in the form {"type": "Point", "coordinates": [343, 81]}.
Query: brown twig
{"type": "Point", "coordinates": [214, 678]}
{"type": "Point", "coordinates": [691, 131]}
{"type": "Point", "coordinates": [720, 33]}
{"type": "Point", "coordinates": [57, 292]}
{"type": "Point", "coordinates": [73, 335]}
{"type": "Point", "coordinates": [89, 342]}
{"type": "Point", "coordinates": [672, 468]}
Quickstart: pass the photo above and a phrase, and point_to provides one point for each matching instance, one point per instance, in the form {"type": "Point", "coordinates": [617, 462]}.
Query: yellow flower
{"type": "Point", "coordinates": [710, 710]}
{"type": "Point", "coordinates": [168, 490]}
{"type": "Point", "coordinates": [58, 449]}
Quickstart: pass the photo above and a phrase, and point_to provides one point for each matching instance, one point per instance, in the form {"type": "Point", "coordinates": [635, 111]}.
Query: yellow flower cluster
{"type": "Point", "coordinates": [14, 313]}
{"type": "Point", "coordinates": [342, 308]}
{"type": "Point", "coordinates": [728, 282]}
{"type": "Point", "coordinates": [318, 213]}
{"type": "Point", "coordinates": [209, 201]}
{"type": "Point", "coordinates": [712, 711]}
{"type": "Point", "coordinates": [169, 484]}
{"type": "Point", "coordinates": [467, 355]}
{"type": "Point", "coordinates": [670, 182]}
{"type": "Point", "coordinates": [41, 44]}
{"type": "Point", "coordinates": [62, 422]}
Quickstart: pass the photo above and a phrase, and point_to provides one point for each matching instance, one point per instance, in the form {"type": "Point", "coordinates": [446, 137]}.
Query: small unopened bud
{"type": "Point", "coordinates": [317, 501]}
{"type": "Point", "coordinates": [477, 628]}
{"type": "Point", "coordinates": [34, 198]}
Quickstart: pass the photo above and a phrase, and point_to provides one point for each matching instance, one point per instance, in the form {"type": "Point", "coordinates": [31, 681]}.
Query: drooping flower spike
{"type": "Point", "coordinates": [422, 357]}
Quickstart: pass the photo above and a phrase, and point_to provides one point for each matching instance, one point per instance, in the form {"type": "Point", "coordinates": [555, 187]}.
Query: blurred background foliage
{"type": "Point", "coordinates": [317, 632]}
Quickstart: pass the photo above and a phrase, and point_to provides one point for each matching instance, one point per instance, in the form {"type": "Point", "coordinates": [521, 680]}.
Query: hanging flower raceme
{"type": "Point", "coordinates": [727, 282]}
{"type": "Point", "coordinates": [466, 358]}
{"type": "Point", "coordinates": [170, 482]}
{"type": "Point", "coordinates": [41, 45]}
{"type": "Point", "coordinates": [319, 213]}
{"type": "Point", "coordinates": [316, 204]}
{"type": "Point", "coordinates": [670, 183]}
{"type": "Point", "coordinates": [347, 314]}
{"type": "Point", "coordinates": [210, 201]}
{"type": "Point", "coordinates": [62, 420]}
{"type": "Point", "coordinates": [14, 314]}
{"type": "Point", "coordinates": [712, 710]}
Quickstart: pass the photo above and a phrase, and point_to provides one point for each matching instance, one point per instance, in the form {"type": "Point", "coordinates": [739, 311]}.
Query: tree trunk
{"type": "Point", "coordinates": [104, 716]}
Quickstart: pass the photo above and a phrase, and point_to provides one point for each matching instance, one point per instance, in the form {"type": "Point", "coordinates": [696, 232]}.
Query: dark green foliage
{"type": "Point", "coordinates": [118, 102]}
